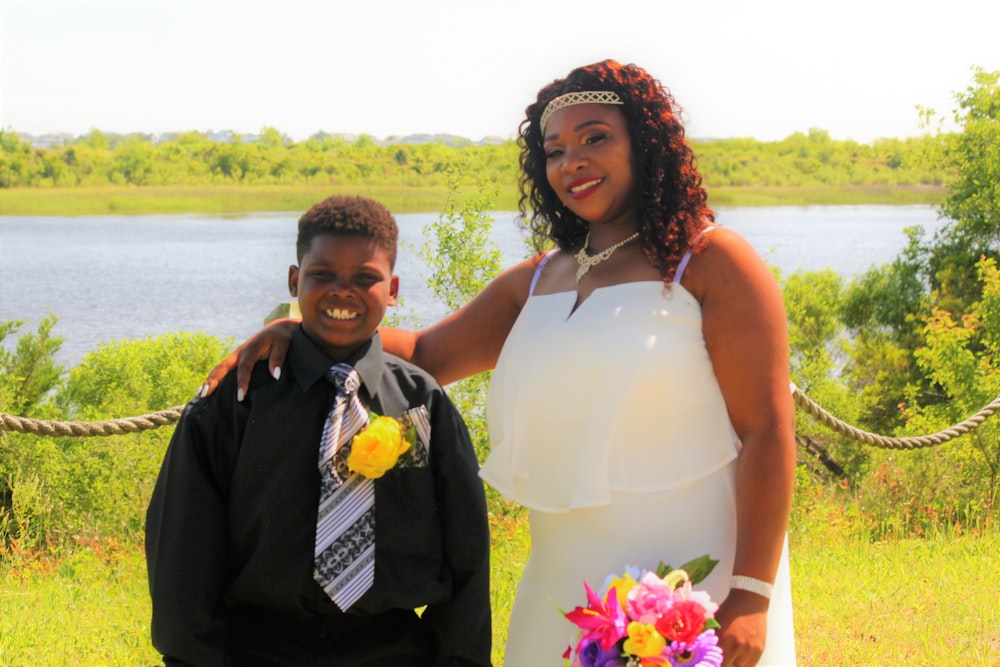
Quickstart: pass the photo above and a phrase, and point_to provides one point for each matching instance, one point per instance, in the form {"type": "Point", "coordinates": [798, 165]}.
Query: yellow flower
{"type": "Point", "coordinates": [675, 578]}
{"type": "Point", "coordinates": [377, 448]}
{"type": "Point", "coordinates": [644, 641]}
{"type": "Point", "coordinates": [622, 586]}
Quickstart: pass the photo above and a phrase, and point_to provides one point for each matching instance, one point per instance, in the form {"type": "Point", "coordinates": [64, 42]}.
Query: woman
{"type": "Point", "coordinates": [640, 405]}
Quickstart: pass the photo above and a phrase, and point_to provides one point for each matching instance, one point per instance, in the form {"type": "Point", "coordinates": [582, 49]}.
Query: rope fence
{"type": "Point", "coordinates": [809, 406]}
{"type": "Point", "coordinates": [89, 429]}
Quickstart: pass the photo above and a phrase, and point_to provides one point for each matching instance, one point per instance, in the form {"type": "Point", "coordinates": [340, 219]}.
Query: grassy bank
{"type": "Point", "coordinates": [905, 602]}
{"type": "Point", "coordinates": [243, 199]}
{"type": "Point", "coordinates": [214, 200]}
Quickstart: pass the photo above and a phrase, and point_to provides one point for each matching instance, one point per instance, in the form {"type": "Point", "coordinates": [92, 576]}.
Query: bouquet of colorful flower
{"type": "Point", "coordinates": [646, 618]}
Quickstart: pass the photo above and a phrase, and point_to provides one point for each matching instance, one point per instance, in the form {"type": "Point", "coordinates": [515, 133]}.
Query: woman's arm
{"type": "Point", "coordinates": [469, 340]}
{"type": "Point", "coordinates": [745, 331]}
{"type": "Point", "coordinates": [465, 343]}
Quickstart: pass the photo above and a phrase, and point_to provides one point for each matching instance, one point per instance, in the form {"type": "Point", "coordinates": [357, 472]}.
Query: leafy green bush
{"type": "Point", "coordinates": [29, 373]}
{"type": "Point", "coordinates": [462, 260]}
{"type": "Point", "coordinates": [957, 482]}
{"type": "Point", "coordinates": [63, 489]}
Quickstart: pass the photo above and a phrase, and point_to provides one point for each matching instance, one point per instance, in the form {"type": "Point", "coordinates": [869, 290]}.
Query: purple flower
{"type": "Point", "coordinates": [702, 652]}
{"type": "Point", "coordinates": [592, 655]}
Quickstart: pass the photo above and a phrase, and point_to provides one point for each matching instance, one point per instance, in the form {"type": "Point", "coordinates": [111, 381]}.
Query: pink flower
{"type": "Point", "coordinates": [650, 599]}
{"type": "Point", "coordinates": [603, 620]}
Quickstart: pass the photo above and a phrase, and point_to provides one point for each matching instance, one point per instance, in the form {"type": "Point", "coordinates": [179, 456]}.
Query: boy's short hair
{"type": "Point", "coordinates": [350, 216]}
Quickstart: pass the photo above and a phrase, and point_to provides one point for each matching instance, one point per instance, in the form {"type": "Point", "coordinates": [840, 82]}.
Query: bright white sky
{"type": "Point", "coordinates": [739, 68]}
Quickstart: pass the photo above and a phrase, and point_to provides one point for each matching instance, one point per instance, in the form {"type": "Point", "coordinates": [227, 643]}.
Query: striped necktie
{"type": "Point", "coordinates": [345, 524]}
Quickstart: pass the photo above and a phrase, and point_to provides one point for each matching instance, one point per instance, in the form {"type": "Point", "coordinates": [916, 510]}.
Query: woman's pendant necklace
{"type": "Point", "coordinates": [585, 261]}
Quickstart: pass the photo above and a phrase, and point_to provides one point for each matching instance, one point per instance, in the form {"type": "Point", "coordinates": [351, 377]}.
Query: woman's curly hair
{"type": "Point", "coordinates": [670, 200]}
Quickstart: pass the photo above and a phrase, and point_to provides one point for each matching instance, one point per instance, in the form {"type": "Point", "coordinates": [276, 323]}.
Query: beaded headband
{"type": "Point", "coordinates": [584, 97]}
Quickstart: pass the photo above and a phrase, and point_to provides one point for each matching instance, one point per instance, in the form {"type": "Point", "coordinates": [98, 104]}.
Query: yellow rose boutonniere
{"type": "Point", "coordinates": [377, 448]}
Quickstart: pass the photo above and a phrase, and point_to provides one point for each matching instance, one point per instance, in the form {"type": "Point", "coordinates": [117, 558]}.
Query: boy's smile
{"type": "Point", "coordinates": [343, 283]}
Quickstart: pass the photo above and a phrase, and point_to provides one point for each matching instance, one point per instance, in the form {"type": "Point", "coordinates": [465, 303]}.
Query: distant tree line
{"type": "Point", "coordinates": [98, 159]}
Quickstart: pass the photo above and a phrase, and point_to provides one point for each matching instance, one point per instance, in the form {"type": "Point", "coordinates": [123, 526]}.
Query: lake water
{"type": "Point", "coordinates": [109, 278]}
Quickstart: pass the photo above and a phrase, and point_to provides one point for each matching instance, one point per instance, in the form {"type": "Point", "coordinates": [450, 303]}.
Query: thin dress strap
{"type": "Point", "coordinates": [538, 272]}
{"type": "Point", "coordinates": [687, 255]}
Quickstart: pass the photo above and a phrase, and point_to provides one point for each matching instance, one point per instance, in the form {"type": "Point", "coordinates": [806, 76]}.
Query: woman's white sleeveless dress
{"type": "Point", "coordinates": [609, 425]}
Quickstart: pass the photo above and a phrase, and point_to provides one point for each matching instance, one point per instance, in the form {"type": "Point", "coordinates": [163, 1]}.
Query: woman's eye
{"type": "Point", "coordinates": [553, 153]}
{"type": "Point", "coordinates": [595, 138]}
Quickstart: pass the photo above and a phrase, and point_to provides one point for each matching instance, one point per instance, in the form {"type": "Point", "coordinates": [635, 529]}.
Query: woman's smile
{"type": "Point", "coordinates": [584, 188]}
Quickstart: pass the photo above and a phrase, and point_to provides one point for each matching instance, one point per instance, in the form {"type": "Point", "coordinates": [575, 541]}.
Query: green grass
{"type": "Point", "coordinates": [511, 544]}
{"type": "Point", "coordinates": [913, 601]}
{"type": "Point", "coordinates": [400, 199]}
{"type": "Point", "coordinates": [916, 601]}
{"type": "Point", "coordinates": [90, 607]}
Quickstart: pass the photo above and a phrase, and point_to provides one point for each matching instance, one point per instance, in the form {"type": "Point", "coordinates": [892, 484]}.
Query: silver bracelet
{"type": "Point", "coordinates": [757, 586]}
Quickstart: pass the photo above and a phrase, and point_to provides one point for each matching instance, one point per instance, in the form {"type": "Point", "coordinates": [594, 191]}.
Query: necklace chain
{"type": "Point", "coordinates": [585, 261]}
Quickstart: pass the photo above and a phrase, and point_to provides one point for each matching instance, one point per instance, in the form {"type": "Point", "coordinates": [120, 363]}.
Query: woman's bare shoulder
{"type": "Point", "coordinates": [726, 261]}
{"type": "Point", "coordinates": [514, 283]}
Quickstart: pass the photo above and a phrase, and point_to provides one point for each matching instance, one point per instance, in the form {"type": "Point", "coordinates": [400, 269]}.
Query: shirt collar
{"type": "Point", "coordinates": [309, 363]}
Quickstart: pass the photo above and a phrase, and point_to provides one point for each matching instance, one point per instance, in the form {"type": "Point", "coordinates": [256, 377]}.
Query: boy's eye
{"type": "Point", "coordinates": [320, 275]}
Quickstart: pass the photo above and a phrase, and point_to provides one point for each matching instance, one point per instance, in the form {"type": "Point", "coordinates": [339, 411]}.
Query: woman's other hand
{"type": "Point", "coordinates": [743, 620]}
{"type": "Point", "coordinates": [269, 343]}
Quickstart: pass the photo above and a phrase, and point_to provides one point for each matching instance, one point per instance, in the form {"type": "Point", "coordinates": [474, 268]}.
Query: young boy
{"type": "Point", "coordinates": [239, 572]}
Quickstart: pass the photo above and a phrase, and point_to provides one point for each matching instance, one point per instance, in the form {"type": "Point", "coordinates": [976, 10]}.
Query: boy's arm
{"type": "Point", "coordinates": [186, 548]}
{"type": "Point", "coordinates": [462, 624]}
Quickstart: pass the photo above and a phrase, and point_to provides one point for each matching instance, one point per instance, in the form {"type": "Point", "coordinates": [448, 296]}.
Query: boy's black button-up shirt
{"type": "Point", "coordinates": [231, 523]}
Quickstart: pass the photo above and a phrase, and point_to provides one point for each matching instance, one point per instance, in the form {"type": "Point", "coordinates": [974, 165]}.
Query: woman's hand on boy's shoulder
{"type": "Point", "coordinates": [270, 343]}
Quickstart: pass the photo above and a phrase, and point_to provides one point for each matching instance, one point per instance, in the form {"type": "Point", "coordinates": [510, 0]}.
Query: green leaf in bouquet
{"type": "Point", "coordinates": [699, 568]}
{"type": "Point", "coordinates": [662, 570]}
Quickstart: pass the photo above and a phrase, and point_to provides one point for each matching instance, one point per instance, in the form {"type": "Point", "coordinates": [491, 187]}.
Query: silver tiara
{"type": "Point", "coordinates": [584, 97]}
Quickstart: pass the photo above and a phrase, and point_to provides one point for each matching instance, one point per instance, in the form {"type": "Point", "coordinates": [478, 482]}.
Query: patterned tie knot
{"type": "Point", "coordinates": [345, 378]}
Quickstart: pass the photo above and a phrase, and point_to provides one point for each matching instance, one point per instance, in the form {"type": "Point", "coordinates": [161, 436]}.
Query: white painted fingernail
{"type": "Point", "coordinates": [240, 395]}
{"type": "Point", "coordinates": [203, 391]}
{"type": "Point", "coordinates": [276, 372]}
